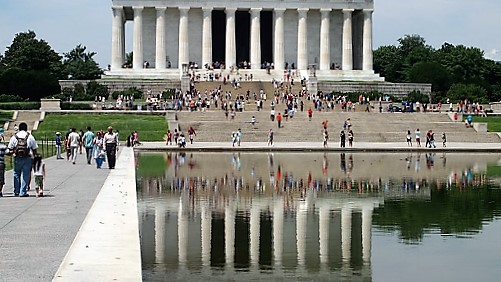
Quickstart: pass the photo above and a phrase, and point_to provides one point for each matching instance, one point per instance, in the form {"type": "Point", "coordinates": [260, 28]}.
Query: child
{"type": "Point", "coordinates": [59, 142]}
{"type": "Point", "coordinates": [444, 139]}
{"type": "Point", "coordinates": [101, 157]}
{"type": "Point", "coordinates": [3, 151]}
{"type": "Point", "coordinates": [39, 172]}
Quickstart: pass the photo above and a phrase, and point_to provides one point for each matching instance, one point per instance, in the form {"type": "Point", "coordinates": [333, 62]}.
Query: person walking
{"type": "Point", "coordinates": [279, 120]}
{"type": "Point", "coordinates": [74, 141]}
{"type": "Point", "coordinates": [418, 137]}
{"type": "Point", "coordinates": [326, 137]}
{"type": "Point", "coordinates": [342, 138]}
{"type": "Point", "coordinates": [99, 151]}
{"type": "Point", "coordinates": [3, 152]}
{"type": "Point", "coordinates": [21, 144]}
{"type": "Point", "coordinates": [239, 136]}
{"type": "Point", "coordinates": [59, 143]}
{"type": "Point", "coordinates": [169, 138]}
{"type": "Point", "coordinates": [39, 173]}
{"type": "Point", "coordinates": [350, 138]}
{"type": "Point", "coordinates": [111, 145]}
{"type": "Point", "coordinates": [191, 134]}
{"type": "Point", "coordinates": [88, 142]}
{"type": "Point", "coordinates": [310, 114]}
{"type": "Point", "coordinates": [444, 140]}
{"type": "Point", "coordinates": [270, 137]}
{"type": "Point", "coordinates": [409, 138]}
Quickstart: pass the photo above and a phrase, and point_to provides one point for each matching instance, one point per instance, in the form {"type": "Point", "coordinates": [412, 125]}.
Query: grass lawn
{"type": "Point", "coordinates": [149, 127]}
{"type": "Point", "coordinates": [493, 122]}
{"type": "Point", "coordinates": [5, 116]}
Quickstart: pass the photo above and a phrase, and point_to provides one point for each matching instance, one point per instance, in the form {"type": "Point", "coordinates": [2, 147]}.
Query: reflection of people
{"type": "Point", "coordinates": [343, 163]}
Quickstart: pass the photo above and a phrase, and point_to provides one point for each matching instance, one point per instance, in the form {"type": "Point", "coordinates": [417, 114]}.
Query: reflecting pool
{"type": "Point", "coordinates": [319, 217]}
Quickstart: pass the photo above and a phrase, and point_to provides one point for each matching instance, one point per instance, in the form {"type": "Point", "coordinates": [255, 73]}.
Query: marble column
{"type": "Point", "coordinates": [366, 233]}
{"type": "Point", "coordinates": [367, 60]}
{"type": "Point", "coordinates": [346, 233]}
{"type": "Point", "coordinates": [323, 234]}
{"type": "Point", "coordinates": [231, 47]}
{"type": "Point", "coordinates": [117, 42]}
{"type": "Point", "coordinates": [160, 54]}
{"type": "Point", "coordinates": [255, 44]}
{"type": "Point", "coordinates": [137, 61]}
{"type": "Point", "coordinates": [184, 51]}
{"type": "Point", "coordinates": [206, 234]}
{"type": "Point", "coordinates": [255, 231]}
{"type": "Point", "coordinates": [302, 39]}
{"type": "Point", "coordinates": [159, 234]}
{"type": "Point", "coordinates": [207, 36]}
{"type": "Point", "coordinates": [229, 234]}
{"type": "Point", "coordinates": [278, 231]}
{"type": "Point", "coordinates": [347, 40]}
{"type": "Point", "coordinates": [301, 215]}
{"type": "Point", "coordinates": [279, 59]}
{"type": "Point", "coordinates": [325, 43]}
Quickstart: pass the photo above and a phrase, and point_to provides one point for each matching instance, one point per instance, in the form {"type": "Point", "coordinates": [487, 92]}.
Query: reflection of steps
{"type": "Point", "coordinates": [212, 126]}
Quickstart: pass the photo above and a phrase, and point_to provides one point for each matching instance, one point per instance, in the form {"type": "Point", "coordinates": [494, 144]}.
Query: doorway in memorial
{"type": "Point", "coordinates": [218, 35]}
{"type": "Point", "coordinates": [242, 36]}
{"type": "Point", "coordinates": [266, 36]}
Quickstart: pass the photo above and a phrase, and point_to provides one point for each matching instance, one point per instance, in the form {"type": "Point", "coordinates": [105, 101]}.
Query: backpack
{"type": "Point", "coordinates": [21, 149]}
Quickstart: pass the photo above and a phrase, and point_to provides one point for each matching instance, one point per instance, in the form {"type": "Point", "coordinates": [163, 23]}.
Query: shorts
{"type": "Point", "coordinates": [39, 181]}
{"type": "Point", "coordinates": [418, 139]}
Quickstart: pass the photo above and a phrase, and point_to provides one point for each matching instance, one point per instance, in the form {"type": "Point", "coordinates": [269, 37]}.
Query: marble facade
{"type": "Point", "coordinates": [334, 35]}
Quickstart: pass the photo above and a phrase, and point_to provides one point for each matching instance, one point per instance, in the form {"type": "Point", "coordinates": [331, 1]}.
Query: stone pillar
{"type": "Point", "coordinates": [346, 233]}
{"type": "Point", "coordinates": [230, 48]}
{"type": "Point", "coordinates": [117, 43]}
{"type": "Point", "coordinates": [229, 234]}
{"type": "Point", "coordinates": [302, 39]}
{"type": "Point", "coordinates": [325, 42]}
{"type": "Point", "coordinates": [159, 234]}
{"type": "Point", "coordinates": [184, 51]}
{"type": "Point", "coordinates": [279, 59]}
{"type": "Point", "coordinates": [255, 230]}
{"type": "Point", "coordinates": [347, 40]}
{"type": "Point", "coordinates": [137, 61]}
{"type": "Point", "coordinates": [366, 233]}
{"type": "Point", "coordinates": [206, 234]}
{"type": "Point", "coordinates": [278, 231]}
{"type": "Point", "coordinates": [255, 41]}
{"type": "Point", "coordinates": [323, 234]}
{"type": "Point", "coordinates": [160, 56]}
{"type": "Point", "coordinates": [367, 60]}
{"type": "Point", "coordinates": [207, 36]}
{"type": "Point", "coordinates": [301, 214]}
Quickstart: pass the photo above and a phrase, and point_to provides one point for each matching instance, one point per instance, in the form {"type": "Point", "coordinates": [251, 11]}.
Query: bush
{"type": "Point", "coordinates": [75, 106]}
{"type": "Point", "coordinates": [10, 98]}
{"type": "Point", "coordinates": [20, 106]}
{"type": "Point", "coordinates": [417, 96]}
{"type": "Point", "coordinates": [132, 91]}
{"type": "Point", "coordinates": [95, 89]}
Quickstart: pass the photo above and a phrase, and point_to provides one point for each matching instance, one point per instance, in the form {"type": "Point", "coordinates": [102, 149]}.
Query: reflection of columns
{"type": "Point", "coordinates": [323, 234]}
{"type": "Point", "coordinates": [159, 234]}
{"type": "Point", "coordinates": [206, 232]}
{"type": "Point", "coordinates": [346, 233]}
{"type": "Point", "coordinates": [255, 47]}
{"type": "Point", "coordinates": [278, 231]}
{"type": "Point", "coordinates": [325, 45]}
{"type": "Point", "coordinates": [231, 50]}
{"type": "Point", "coordinates": [182, 232]}
{"type": "Point", "coordinates": [137, 62]}
{"type": "Point", "coordinates": [207, 36]}
{"type": "Point", "coordinates": [366, 233]}
{"type": "Point", "coordinates": [367, 41]}
{"type": "Point", "coordinates": [302, 39]}
{"type": "Point", "coordinates": [301, 213]}
{"type": "Point", "coordinates": [279, 39]}
{"type": "Point", "coordinates": [160, 39]}
{"type": "Point", "coordinates": [347, 40]}
{"type": "Point", "coordinates": [117, 43]}
{"type": "Point", "coordinates": [184, 51]}
{"type": "Point", "coordinates": [255, 229]}
{"type": "Point", "coordinates": [229, 234]}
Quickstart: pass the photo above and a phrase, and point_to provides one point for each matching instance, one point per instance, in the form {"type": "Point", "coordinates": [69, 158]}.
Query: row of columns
{"type": "Point", "coordinates": [118, 54]}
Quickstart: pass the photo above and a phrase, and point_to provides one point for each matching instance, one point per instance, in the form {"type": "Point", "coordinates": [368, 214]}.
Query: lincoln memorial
{"type": "Point", "coordinates": [264, 37]}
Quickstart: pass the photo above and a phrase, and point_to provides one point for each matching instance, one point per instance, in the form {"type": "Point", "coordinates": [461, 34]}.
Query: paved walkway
{"type": "Point", "coordinates": [36, 233]}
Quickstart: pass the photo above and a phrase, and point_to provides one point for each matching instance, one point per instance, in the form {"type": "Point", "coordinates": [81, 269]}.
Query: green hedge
{"type": "Point", "coordinates": [20, 106]}
{"type": "Point", "coordinates": [75, 106]}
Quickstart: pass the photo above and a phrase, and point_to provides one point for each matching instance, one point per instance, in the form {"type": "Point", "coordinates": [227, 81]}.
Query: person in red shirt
{"type": "Point", "coordinates": [310, 114]}
{"type": "Point", "coordinates": [324, 124]}
{"type": "Point", "coordinates": [279, 120]}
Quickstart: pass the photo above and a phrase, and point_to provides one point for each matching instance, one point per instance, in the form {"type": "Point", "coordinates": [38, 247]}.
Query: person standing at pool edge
{"type": "Point", "coordinates": [111, 143]}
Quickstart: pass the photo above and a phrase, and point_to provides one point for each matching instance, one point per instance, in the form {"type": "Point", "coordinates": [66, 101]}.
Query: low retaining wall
{"type": "Point", "coordinates": [154, 86]}
{"type": "Point", "coordinates": [393, 89]}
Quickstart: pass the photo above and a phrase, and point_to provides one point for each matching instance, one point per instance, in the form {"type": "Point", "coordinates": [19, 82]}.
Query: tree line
{"type": "Point", "coordinates": [456, 72]}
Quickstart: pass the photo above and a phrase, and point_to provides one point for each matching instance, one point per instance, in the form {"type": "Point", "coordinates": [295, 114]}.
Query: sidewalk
{"type": "Point", "coordinates": [36, 233]}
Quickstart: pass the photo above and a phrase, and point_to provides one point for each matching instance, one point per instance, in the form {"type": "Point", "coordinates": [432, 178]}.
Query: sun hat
{"type": "Point", "coordinates": [58, 133]}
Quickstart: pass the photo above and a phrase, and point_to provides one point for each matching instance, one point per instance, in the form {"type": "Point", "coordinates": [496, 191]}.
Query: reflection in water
{"type": "Point", "coordinates": [295, 215]}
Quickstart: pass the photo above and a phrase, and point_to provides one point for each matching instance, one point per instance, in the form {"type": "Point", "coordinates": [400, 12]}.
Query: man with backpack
{"type": "Point", "coordinates": [20, 145]}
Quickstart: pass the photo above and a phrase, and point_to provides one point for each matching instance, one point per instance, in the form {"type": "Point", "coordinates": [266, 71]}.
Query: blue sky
{"type": "Point", "coordinates": [67, 23]}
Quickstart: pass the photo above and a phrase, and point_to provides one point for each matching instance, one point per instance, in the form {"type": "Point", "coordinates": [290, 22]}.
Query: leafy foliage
{"type": "Point", "coordinates": [79, 64]}
{"type": "Point", "coordinates": [28, 84]}
{"type": "Point", "coordinates": [132, 91]}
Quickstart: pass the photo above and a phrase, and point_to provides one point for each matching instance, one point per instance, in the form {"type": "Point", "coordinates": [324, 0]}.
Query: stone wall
{"type": "Point", "coordinates": [155, 86]}
{"type": "Point", "coordinates": [393, 89]}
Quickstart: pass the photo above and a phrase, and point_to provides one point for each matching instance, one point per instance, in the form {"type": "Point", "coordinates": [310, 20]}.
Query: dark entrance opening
{"type": "Point", "coordinates": [266, 36]}
{"type": "Point", "coordinates": [242, 35]}
{"type": "Point", "coordinates": [218, 35]}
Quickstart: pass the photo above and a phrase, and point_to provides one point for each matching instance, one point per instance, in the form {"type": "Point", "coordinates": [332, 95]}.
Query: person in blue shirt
{"type": "Point", "coordinates": [59, 143]}
{"type": "Point", "coordinates": [88, 142]}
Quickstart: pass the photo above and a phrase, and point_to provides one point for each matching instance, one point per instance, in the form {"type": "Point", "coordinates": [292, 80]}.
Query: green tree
{"type": "Point", "coordinates": [31, 54]}
{"type": "Point", "coordinates": [430, 72]}
{"type": "Point", "coordinates": [28, 84]}
{"type": "Point", "coordinates": [472, 92]}
{"type": "Point", "coordinates": [388, 63]}
{"type": "Point", "coordinates": [79, 64]}
{"type": "Point", "coordinates": [95, 89]}
{"type": "Point", "coordinates": [128, 59]}
{"type": "Point", "coordinates": [465, 64]}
